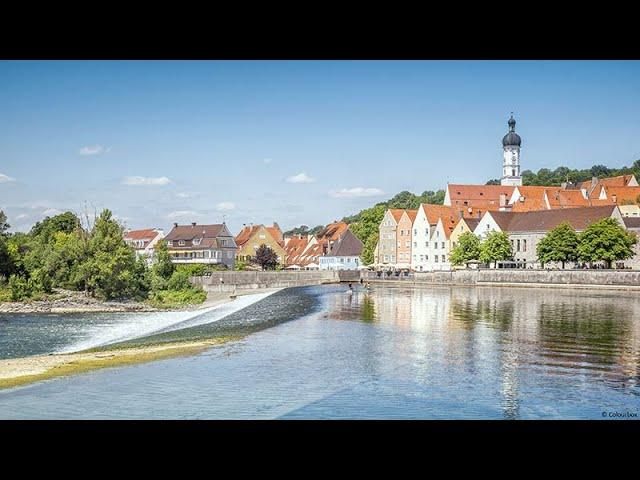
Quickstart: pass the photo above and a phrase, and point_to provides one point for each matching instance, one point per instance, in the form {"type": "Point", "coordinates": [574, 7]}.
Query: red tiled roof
{"type": "Point", "coordinates": [396, 213]}
{"type": "Point", "coordinates": [146, 234]}
{"type": "Point", "coordinates": [412, 215]}
{"type": "Point", "coordinates": [486, 197]}
{"type": "Point", "coordinates": [623, 194]}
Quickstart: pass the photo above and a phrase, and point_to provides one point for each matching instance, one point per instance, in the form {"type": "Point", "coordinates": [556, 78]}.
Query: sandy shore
{"type": "Point", "coordinates": [20, 371]}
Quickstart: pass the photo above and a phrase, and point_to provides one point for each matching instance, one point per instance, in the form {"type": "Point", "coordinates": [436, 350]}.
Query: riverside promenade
{"type": "Point", "coordinates": [589, 279]}
{"type": "Point", "coordinates": [229, 282]}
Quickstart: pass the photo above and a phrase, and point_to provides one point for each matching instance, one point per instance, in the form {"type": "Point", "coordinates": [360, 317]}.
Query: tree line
{"type": "Point", "coordinates": [63, 252]}
{"type": "Point", "coordinates": [547, 178]}
{"type": "Point", "coordinates": [603, 241]}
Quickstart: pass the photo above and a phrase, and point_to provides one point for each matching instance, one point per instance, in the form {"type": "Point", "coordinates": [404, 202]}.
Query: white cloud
{"type": "Point", "coordinates": [93, 150]}
{"type": "Point", "coordinates": [6, 178]}
{"type": "Point", "coordinates": [225, 206]}
{"type": "Point", "coordinates": [183, 214]}
{"type": "Point", "coordinates": [21, 216]}
{"type": "Point", "coordinates": [184, 195]}
{"type": "Point", "coordinates": [355, 192]}
{"type": "Point", "coordinates": [51, 211]}
{"type": "Point", "coordinates": [267, 161]}
{"type": "Point", "coordinates": [136, 181]}
{"type": "Point", "coordinates": [301, 178]}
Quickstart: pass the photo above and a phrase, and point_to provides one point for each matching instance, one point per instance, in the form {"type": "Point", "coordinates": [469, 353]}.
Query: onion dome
{"type": "Point", "coordinates": [511, 138]}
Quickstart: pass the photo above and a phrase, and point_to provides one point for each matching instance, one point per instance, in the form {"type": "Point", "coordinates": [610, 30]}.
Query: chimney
{"type": "Point", "coordinates": [563, 185]}
{"type": "Point", "coordinates": [193, 224]}
{"type": "Point", "coordinates": [175, 224]}
{"type": "Point", "coordinates": [614, 197]}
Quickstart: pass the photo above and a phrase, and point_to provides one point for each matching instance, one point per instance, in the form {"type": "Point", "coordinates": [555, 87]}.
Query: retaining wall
{"type": "Point", "coordinates": [233, 281]}
{"type": "Point", "coordinates": [586, 278]}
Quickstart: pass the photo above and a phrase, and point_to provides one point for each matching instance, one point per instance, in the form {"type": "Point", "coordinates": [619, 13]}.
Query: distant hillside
{"type": "Point", "coordinates": [304, 230]}
{"type": "Point", "coordinates": [546, 177]}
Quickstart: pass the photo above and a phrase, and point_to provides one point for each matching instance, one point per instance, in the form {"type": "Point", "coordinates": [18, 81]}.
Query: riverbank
{"type": "Point", "coordinates": [66, 301]}
{"type": "Point", "coordinates": [21, 371]}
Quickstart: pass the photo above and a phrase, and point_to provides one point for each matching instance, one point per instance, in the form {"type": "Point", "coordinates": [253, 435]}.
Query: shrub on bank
{"type": "Point", "coordinates": [177, 298]}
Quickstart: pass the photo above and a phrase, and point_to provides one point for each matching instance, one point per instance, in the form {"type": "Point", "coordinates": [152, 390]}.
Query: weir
{"type": "Point", "coordinates": [138, 325]}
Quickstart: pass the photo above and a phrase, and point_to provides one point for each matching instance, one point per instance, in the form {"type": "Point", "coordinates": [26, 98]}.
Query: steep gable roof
{"type": "Point", "coordinates": [348, 246]}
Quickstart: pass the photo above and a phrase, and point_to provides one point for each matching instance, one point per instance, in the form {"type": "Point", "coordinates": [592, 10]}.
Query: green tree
{"type": "Point", "coordinates": [560, 244]}
{"type": "Point", "coordinates": [266, 257]}
{"type": "Point", "coordinates": [111, 269]}
{"type": "Point", "coordinates": [367, 255]}
{"type": "Point", "coordinates": [606, 240]}
{"type": "Point", "coordinates": [162, 264]}
{"type": "Point", "coordinates": [4, 226]}
{"type": "Point", "coordinates": [495, 247]}
{"type": "Point", "coordinates": [467, 249]}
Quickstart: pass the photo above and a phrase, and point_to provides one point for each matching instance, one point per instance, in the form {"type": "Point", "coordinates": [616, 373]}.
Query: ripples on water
{"type": "Point", "coordinates": [443, 352]}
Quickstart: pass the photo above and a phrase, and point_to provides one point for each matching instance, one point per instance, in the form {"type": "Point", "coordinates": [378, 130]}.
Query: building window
{"type": "Point", "coordinates": [426, 244]}
{"type": "Point", "coordinates": [181, 243]}
{"type": "Point", "coordinates": [435, 258]}
{"type": "Point", "coordinates": [518, 246]}
{"type": "Point", "coordinates": [415, 231]}
{"type": "Point", "coordinates": [442, 244]}
{"type": "Point", "coordinates": [444, 258]}
{"type": "Point", "coordinates": [524, 245]}
{"type": "Point", "coordinates": [170, 243]}
{"type": "Point", "coordinates": [415, 244]}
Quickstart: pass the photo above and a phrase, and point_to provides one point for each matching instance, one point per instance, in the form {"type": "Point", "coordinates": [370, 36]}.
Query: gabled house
{"type": "Point", "coordinates": [344, 254]}
{"type": "Point", "coordinates": [387, 256]}
{"type": "Point", "coordinates": [404, 234]}
{"type": "Point", "coordinates": [432, 229]}
{"type": "Point", "coordinates": [251, 237]}
{"type": "Point", "coordinates": [144, 241]}
{"type": "Point", "coordinates": [205, 244]}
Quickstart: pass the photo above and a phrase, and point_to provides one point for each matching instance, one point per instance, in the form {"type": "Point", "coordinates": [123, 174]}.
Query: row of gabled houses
{"type": "Point", "coordinates": [333, 248]}
{"type": "Point", "coordinates": [422, 239]}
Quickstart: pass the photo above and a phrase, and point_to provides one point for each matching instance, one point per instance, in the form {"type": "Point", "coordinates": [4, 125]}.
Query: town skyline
{"type": "Point", "coordinates": [206, 149]}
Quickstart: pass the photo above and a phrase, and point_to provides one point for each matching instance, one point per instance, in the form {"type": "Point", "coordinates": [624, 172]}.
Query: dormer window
{"type": "Point", "coordinates": [170, 243]}
{"type": "Point", "coordinates": [196, 241]}
{"type": "Point", "coordinates": [181, 243]}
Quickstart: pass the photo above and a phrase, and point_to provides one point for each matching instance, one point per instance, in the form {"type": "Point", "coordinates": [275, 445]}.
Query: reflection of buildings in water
{"type": "Point", "coordinates": [595, 331]}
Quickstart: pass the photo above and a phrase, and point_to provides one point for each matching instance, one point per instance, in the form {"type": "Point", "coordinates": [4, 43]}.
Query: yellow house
{"type": "Point", "coordinates": [251, 237]}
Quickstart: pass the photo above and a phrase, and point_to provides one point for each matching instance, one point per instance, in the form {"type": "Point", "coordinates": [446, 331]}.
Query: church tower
{"type": "Point", "coordinates": [511, 156]}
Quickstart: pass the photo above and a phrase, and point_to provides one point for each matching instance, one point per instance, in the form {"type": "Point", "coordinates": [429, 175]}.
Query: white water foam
{"type": "Point", "coordinates": [137, 325]}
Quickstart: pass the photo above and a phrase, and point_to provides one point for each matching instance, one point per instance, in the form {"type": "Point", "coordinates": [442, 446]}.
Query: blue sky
{"type": "Point", "coordinates": [296, 142]}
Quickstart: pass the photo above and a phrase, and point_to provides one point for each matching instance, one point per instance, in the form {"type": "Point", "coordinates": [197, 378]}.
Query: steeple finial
{"type": "Point", "coordinates": [512, 123]}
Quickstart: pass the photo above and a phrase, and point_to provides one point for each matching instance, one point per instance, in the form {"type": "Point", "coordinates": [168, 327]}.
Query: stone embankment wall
{"type": "Point", "coordinates": [233, 281]}
{"type": "Point", "coordinates": [551, 278]}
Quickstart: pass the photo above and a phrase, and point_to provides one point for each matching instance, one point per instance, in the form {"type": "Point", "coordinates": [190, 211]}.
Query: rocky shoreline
{"type": "Point", "coordinates": [65, 301]}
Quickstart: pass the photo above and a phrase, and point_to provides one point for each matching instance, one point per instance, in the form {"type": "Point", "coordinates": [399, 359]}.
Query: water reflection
{"type": "Point", "coordinates": [507, 333]}
{"type": "Point", "coordinates": [438, 352]}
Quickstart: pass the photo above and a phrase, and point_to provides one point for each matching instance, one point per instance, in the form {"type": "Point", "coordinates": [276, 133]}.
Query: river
{"type": "Point", "coordinates": [318, 352]}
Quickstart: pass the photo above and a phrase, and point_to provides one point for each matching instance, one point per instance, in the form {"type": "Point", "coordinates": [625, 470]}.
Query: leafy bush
{"type": "Point", "coordinates": [21, 288]}
{"type": "Point", "coordinates": [177, 298]}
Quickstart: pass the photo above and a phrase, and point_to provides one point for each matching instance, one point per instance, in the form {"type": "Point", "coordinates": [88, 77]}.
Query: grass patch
{"type": "Point", "coordinates": [177, 298]}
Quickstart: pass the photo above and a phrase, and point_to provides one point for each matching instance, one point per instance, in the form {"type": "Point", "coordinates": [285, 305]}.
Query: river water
{"type": "Point", "coordinates": [318, 352]}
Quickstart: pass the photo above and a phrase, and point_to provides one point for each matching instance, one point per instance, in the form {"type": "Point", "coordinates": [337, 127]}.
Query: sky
{"type": "Point", "coordinates": [297, 142]}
